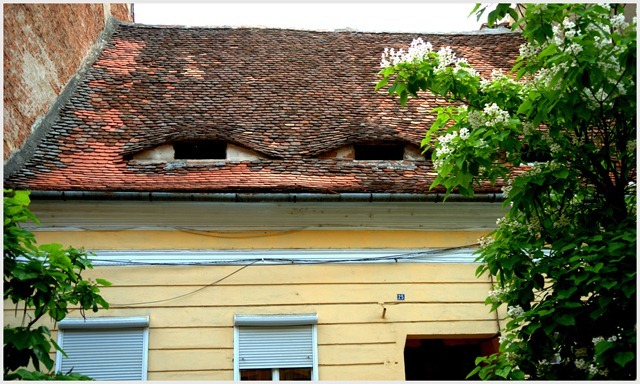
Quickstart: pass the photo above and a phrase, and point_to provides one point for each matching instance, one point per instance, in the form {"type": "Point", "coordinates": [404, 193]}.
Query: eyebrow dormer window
{"type": "Point", "coordinates": [200, 150]}
{"type": "Point", "coordinates": [394, 151]}
{"type": "Point", "coordinates": [379, 151]}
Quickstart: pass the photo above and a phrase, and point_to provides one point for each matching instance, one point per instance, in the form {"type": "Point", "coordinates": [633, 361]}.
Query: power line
{"type": "Point", "coordinates": [389, 258]}
{"type": "Point", "coordinates": [192, 292]}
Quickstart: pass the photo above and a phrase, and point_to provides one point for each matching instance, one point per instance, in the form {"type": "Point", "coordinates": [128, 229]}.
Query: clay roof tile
{"type": "Point", "coordinates": [287, 95]}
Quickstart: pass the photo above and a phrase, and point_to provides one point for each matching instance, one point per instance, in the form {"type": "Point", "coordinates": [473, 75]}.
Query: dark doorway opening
{"type": "Point", "coordinates": [444, 359]}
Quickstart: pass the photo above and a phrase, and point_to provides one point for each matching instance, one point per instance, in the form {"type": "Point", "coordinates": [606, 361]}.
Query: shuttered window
{"type": "Point", "coordinates": [284, 344]}
{"type": "Point", "coordinates": [104, 348]}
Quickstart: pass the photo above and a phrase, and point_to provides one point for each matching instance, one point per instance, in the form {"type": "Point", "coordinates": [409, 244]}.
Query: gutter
{"type": "Point", "coordinates": [266, 197]}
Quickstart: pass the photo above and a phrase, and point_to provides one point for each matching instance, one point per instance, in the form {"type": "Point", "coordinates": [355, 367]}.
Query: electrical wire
{"type": "Point", "coordinates": [189, 293]}
{"type": "Point", "coordinates": [397, 257]}
{"type": "Point", "coordinates": [216, 234]}
{"type": "Point", "coordinates": [402, 256]}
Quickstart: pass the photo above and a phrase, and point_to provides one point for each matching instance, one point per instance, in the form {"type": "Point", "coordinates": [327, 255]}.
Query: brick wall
{"type": "Point", "coordinates": [44, 45]}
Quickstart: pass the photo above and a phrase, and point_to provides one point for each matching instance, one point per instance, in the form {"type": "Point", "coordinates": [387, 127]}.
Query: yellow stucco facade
{"type": "Point", "coordinates": [362, 327]}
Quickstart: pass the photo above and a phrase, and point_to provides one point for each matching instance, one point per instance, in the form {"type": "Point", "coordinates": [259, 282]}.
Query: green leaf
{"type": "Point", "coordinates": [561, 173]}
{"type": "Point", "coordinates": [549, 50]}
{"type": "Point", "coordinates": [474, 372]}
{"type": "Point", "coordinates": [21, 197]}
{"type": "Point", "coordinates": [603, 346]}
{"type": "Point", "coordinates": [629, 290]}
{"type": "Point", "coordinates": [566, 319]}
{"type": "Point", "coordinates": [382, 83]}
{"type": "Point", "coordinates": [518, 375]}
{"type": "Point", "coordinates": [503, 372]}
{"type": "Point", "coordinates": [622, 358]}
{"type": "Point", "coordinates": [50, 248]}
{"type": "Point", "coordinates": [21, 274]}
{"type": "Point", "coordinates": [404, 97]}
{"type": "Point", "coordinates": [103, 282]}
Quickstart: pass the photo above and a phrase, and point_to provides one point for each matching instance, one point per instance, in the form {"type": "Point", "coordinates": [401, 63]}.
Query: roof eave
{"type": "Point", "coordinates": [265, 197]}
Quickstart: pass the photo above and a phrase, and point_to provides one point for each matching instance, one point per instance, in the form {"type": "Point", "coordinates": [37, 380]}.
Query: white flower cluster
{"type": "Point", "coordinates": [418, 51]}
{"type": "Point", "coordinates": [593, 369]}
{"type": "Point", "coordinates": [594, 100]}
{"type": "Point", "coordinates": [631, 145]}
{"type": "Point", "coordinates": [538, 167]}
{"type": "Point", "coordinates": [507, 188]}
{"type": "Point", "coordinates": [496, 294]}
{"type": "Point", "coordinates": [617, 21]}
{"type": "Point", "coordinates": [511, 225]}
{"type": "Point", "coordinates": [581, 364]}
{"type": "Point", "coordinates": [610, 339]}
{"type": "Point", "coordinates": [497, 78]}
{"type": "Point", "coordinates": [495, 115]}
{"type": "Point", "coordinates": [527, 128]}
{"type": "Point", "coordinates": [446, 57]}
{"type": "Point", "coordinates": [446, 144]}
{"type": "Point", "coordinates": [491, 115]}
{"type": "Point", "coordinates": [574, 49]}
{"type": "Point", "coordinates": [561, 222]}
{"type": "Point", "coordinates": [544, 76]}
{"type": "Point", "coordinates": [497, 74]}
{"type": "Point", "coordinates": [463, 65]}
{"type": "Point", "coordinates": [563, 37]}
{"type": "Point", "coordinates": [608, 61]}
{"type": "Point", "coordinates": [555, 147]}
{"type": "Point", "coordinates": [534, 227]}
{"type": "Point", "coordinates": [528, 50]}
{"type": "Point", "coordinates": [543, 366]}
{"type": "Point", "coordinates": [515, 311]}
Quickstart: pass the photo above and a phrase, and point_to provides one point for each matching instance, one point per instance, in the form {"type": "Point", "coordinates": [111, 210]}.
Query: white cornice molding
{"type": "Point", "coordinates": [283, 256]}
{"type": "Point", "coordinates": [183, 215]}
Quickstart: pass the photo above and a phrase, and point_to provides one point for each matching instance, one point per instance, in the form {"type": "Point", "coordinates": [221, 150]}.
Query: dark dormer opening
{"type": "Point", "coordinates": [393, 151]}
{"type": "Point", "coordinates": [531, 156]}
{"type": "Point", "coordinates": [196, 150]}
{"type": "Point", "coordinates": [200, 150]}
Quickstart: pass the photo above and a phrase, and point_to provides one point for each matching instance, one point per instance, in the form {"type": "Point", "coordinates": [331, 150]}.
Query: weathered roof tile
{"type": "Point", "coordinates": [288, 95]}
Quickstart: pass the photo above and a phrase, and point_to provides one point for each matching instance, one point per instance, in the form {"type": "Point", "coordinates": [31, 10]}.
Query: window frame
{"type": "Point", "coordinates": [268, 321]}
{"type": "Point", "coordinates": [107, 324]}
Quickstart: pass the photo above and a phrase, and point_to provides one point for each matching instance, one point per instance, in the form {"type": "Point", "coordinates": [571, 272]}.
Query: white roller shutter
{"type": "Point", "coordinates": [275, 347]}
{"type": "Point", "coordinates": [275, 342]}
{"type": "Point", "coordinates": [104, 349]}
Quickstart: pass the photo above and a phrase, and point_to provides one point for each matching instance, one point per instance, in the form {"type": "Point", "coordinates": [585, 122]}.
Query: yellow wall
{"type": "Point", "coordinates": [191, 319]}
{"type": "Point", "coordinates": [310, 239]}
{"type": "Point", "coordinates": [191, 337]}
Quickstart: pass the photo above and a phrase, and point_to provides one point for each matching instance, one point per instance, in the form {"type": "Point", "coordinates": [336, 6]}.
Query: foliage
{"type": "Point", "coordinates": [44, 280]}
{"type": "Point", "coordinates": [561, 129]}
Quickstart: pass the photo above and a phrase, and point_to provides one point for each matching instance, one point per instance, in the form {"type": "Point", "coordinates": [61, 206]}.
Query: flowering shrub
{"type": "Point", "coordinates": [564, 257]}
{"type": "Point", "coordinates": [42, 281]}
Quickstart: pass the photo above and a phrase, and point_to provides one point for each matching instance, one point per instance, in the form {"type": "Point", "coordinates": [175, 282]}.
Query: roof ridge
{"type": "Point", "coordinates": [324, 31]}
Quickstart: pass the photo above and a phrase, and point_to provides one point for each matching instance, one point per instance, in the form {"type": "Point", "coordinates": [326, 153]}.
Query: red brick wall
{"type": "Point", "coordinates": [122, 12]}
{"type": "Point", "coordinates": [44, 45]}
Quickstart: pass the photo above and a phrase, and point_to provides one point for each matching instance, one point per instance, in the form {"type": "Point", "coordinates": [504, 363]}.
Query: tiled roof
{"type": "Point", "coordinates": [287, 95]}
